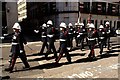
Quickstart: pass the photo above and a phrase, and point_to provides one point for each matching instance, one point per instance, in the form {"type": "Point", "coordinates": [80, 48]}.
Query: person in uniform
{"type": "Point", "coordinates": [81, 34]}
{"type": "Point", "coordinates": [17, 48]}
{"type": "Point", "coordinates": [101, 38]}
{"type": "Point", "coordinates": [91, 36]}
{"type": "Point", "coordinates": [70, 36]}
{"type": "Point", "coordinates": [77, 25]}
{"type": "Point", "coordinates": [44, 38]}
{"type": "Point", "coordinates": [108, 31]}
{"type": "Point", "coordinates": [63, 43]}
{"type": "Point", "coordinates": [51, 39]}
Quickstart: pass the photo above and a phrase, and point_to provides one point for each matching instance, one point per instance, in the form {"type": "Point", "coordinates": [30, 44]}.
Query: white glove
{"type": "Point", "coordinates": [36, 31]}
{"type": "Point", "coordinates": [78, 36]}
{"type": "Point", "coordinates": [103, 32]}
{"type": "Point", "coordinates": [21, 51]}
{"type": "Point", "coordinates": [14, 37]}
{"type": "Point", "coordinates": [2, 37]}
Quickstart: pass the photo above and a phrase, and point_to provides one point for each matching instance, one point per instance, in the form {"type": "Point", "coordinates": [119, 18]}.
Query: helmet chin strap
{"type": "Point", "coordinates": [100, 29]}
{"type": "Point", "coordinates": [90, 29]}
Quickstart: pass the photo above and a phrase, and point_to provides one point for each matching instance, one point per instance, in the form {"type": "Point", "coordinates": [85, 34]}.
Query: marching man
{"type": "Point", "coordinates": [70, 34]}
{"type": "Point", "coordinates": [51, 39]}
{"type": "Point", "coordinates": [101, 38]}
{"type": "Point", "coordinates": [17, 48]}
{"type": "Point", "coordinates": [108, 31]}
{"type": "Point", "coordinates": [91, 36]}
{"type": "Point", "coordinates": [63, 43]}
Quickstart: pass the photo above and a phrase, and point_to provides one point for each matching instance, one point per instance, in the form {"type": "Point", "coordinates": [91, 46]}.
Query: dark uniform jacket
{"type": "Point", "coordinates": [101, 35]}
{"type": "Point", "coordinates": [44, 34]}
{"type": "Point", "coordinates": [91, 36]}
{"type": "Point", "coordinates": [70, 32]}
{"type": "Point", "coordinates": [17, 43]}
{"type": "Point", "coordinates": [63, 39]}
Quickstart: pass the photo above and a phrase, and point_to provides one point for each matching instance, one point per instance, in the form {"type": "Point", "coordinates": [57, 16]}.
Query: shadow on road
{"type": "Point", "coordinates": [54, 65]}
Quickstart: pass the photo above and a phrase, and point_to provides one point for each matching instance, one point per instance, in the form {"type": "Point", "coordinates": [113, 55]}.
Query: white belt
{"type": "Point", "coordinates": [103, 32]}
{"type": "Point", "coordinates": [78, 36]}
{"type": "Point", "coordinates": [91, 39]}
{"type": "Point", "coordinates": [50, 36]}
{"type": "Point", "coordinates": [14, 43]}
{"type": "Point", "coordinates": [101, 37]}
{"type": "Point", "coordinates": [80, 33]}
{"type": "Point", "coordinates": [62, 39]}
{"type": "Point", "coordinates": [69, 33]}
{"type": "Point", "coordinates": [43, 36]}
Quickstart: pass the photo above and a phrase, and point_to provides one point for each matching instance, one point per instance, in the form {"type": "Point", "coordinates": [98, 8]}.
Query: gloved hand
{"type": "Point", "coordinates": [21, 51]}
{"type": "Point", "coordinates": [78, 36]}
{"type": "Point", "coordinates": [2, 38]}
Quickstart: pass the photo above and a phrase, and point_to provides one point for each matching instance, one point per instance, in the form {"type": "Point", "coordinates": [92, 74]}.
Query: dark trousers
{"type": "Point", "coordinates": [81, 41]}
{"type": "Point", "coordinates": [101, 45]}
{"type": "Point", "coordinates": [76, 40]}
{"type": "Point", "coordinates": [63, 49]}
{"type": "Point", "coordinates": [70, 42]}
{"type": "Point", "coordinates": [108, 43]}
{"type": "Point", "coordinates": [44, 45]}
{"type": "Point", "coordinates": [51, 46]}
{"type": "Point", "coordinates": [22, 57]}
{"type": "Point", "coordinates": [92, 53]}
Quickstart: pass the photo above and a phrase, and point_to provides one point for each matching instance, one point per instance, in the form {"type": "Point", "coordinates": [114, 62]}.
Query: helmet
{"type": "Point", "coordinates": [101, 26]}
{"type": "Point", "coordinates": [81, 24]}
{"type": "Point", "coordinates": [77, 24]}
{"type": "Point", "coordinates": [62, 24]}
{"type": "Point", "coordinates": [88, 24]}
{"type": "Point", "coordinates": [44, 25]}
{"type": "Point", "coordinates": [107, 23]}
{"type": "Point", "coordinates": [91, 26]}
{"type": "Point", "coordinates": [50, 22]}
{"type": "Point", "coordinates": [16, 26]}
{"type": "Point", "coordinates": [70, 24]}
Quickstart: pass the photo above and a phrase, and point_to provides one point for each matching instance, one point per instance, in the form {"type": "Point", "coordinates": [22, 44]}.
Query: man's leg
{"type": "Point", "coordinates": [24, 59]}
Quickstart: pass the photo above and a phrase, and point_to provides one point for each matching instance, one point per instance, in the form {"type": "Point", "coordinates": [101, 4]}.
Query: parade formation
{"type": "Point", "coordinates": [84, 35]}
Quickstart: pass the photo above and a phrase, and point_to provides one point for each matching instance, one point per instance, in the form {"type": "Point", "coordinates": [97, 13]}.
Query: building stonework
{"type": "Point", "coordinates": [68, 12]}
{"type": "Point", "coordinates": [11, 15]}
{"type": "Point", "coordinates": [22, 12]}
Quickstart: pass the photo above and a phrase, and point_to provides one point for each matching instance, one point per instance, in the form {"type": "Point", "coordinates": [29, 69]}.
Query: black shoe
{"type": "Point", "coordinates": [69, 62]}
{"type": "Point", "coordinates": [9, 70]}
{"type": "Point", "coordinates": [26, 68]}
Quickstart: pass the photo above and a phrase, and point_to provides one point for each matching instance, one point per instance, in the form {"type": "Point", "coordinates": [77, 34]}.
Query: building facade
{"type": "Point", "coordinates": [11, 15]}
{"type": "Point", "coordinates": [67, 12]}
{"type": "Point", "coordinates": [22, 12]}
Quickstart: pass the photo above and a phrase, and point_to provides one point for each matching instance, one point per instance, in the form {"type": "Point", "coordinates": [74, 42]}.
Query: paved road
{"type": "Point", "coordinates": [81, 67]}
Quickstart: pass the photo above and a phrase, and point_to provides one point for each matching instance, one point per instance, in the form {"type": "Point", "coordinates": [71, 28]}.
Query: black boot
{"type": "Point", "coordinates": [9, 70]}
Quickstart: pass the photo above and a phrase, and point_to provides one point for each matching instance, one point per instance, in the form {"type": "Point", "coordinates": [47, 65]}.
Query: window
{"type": "Point", "coordinates": [96, 24]}
{"type": "Point", "coordinates": [101, 23]}
{"type": "Point", "coordinates": [94, 7]}
{"type": "Point", "coordinates": [87, 7]}
{"type": "Point", "coordinates": [66, 4]}
{"type": "Point", "coordinates": [109, 9]}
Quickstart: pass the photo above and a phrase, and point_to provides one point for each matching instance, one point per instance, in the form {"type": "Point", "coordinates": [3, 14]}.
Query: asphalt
{"type": "Point", "coordinates": [106, 67]}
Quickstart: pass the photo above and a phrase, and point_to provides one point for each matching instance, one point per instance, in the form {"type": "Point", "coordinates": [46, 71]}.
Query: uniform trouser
{"type": "Point", "coordinates": [76, 40]}
{"type": "Point", "coordinates": [51, 46]}
{"type": "Point", "coordinates": [22, 57]}
{"type": "Point", "coordinates": [81, 41]}
{"type": "Point", "coordinates": [92, 53]}
{"type": "Point", "coordinates": [108, 43]}
{"type": "Point", "coordinates": [44, 45]}
{"type": "Point", "coordinates": [101, 44]}
{"type": "Point", "coordinates": [70, 42]}
{"type": "Point", "coordinates": [64, 50]}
